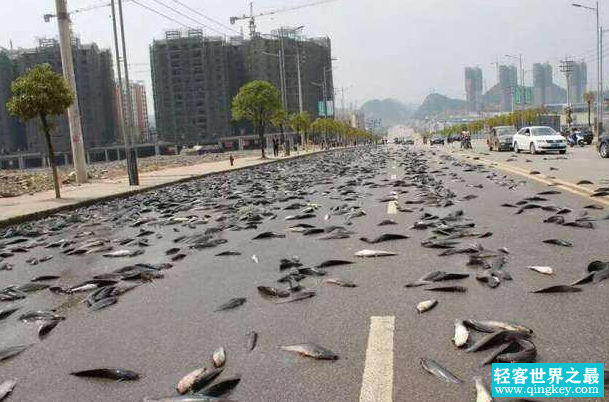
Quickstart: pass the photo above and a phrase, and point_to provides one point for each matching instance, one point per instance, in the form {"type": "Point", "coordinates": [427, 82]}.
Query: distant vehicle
{"type": "Point", "coordinates": [453, 138]}
{"type": "Point", "coordinates": [437, 140]}
{"type": "Point", "coordinates": [537, 139]}
{"type": "Point", "coordinates": [603, 145]}
{"type": "Point", "coordinates": [576, 138]}
{"type": "Point", "coordinates": [501, 138]}
{"type": "Point", "coordinates": [586, 134]}
{"type": "Point", "coordinates": [409, 141]}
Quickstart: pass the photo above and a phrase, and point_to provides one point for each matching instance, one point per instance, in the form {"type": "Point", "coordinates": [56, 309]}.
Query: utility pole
{"type": "Point", "coordinates": [300, 105]}
{"type": "Point", "coordinates": [131, 154]}
{"type": "Point", "coordinates": [282, 62]}
{"type": "Point", "coordinates": [67, 62]}
{"type": "Point", "coordinates": [120, 100]}
{"type": "Point", "coordinates": [566, 66]}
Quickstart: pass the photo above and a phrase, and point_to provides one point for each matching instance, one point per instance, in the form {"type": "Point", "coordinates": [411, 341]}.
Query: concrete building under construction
{"type": "Point", "coordinates": [508, 80]}
{"type": "Point", "coordinates": [94, 84]}
{"type": "Point", "coordinates": [195, 77]}
{"type": "Point", "coordinates": [474, 88]}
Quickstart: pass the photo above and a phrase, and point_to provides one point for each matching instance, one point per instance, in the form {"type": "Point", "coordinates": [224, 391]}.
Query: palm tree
{"type": "Point", "coordinates": [589, 98]}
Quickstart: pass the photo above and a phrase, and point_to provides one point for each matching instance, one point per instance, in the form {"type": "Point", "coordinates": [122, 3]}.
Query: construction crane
{"type": "Point", "coordinates": [47, 17]}
{"type": "Point", "coordinates": [252, 17]}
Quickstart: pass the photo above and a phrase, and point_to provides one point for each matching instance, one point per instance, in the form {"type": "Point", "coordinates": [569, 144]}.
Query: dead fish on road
{"type": "Point", "coordinates": [297, 297]}
{"type": "Point", "coordinates": [188, 398]}
{"type": "Point", "coordinates": [46, 328]}
{"type": "Point", "coordinates": [333, 263]}
{"type": "Point", "coordinates": [496, 338]}
{"type": "Point", "coordinates": [116, 374]}
{"type": "Point", "coordinates": [559, 242]}
{"type": "Point", "coordinates": [340, 282]}
{"type": "Point", "coordinates": [221, 388]}
{"type": "Point", "coordinates": [542, 270]}
{"type": "Point", "coordinates": [311, 350]}
{"type": "Point", "coordinates": [558, 289]}
{"type": "Point", "coordinates": [228, 253]}
{"type": "Point", "coordinates": [457, 289]}
{"type": "Point", "coordinates": [124, 253]}
{"type": "Point", "coordinates": [219, 357]}
{"type": "Point", "coordinates": [490, 326]}
{"type": "Point", "coordinates": [40, 315]}
{"type": "Point", "coordinates": [44, 278]}
{"type": "Point", "coordinates": [269, 235]}
{"type": "Point", "coordinates": [6, 388]}
{"type": "Point", "coordinates": [432, 367]}
{"type": "Point", "coordinates": [425, 306]}
{"type": "Point", "coordinates": [461, 334]}
{"type": "Point", "coordinates": [7, 312]}
{"type": "Point", "coordinates": [374, 253]}
{"type": "Point", "coordinates": [384, 238]}
{"type": "Point", "coordinates": [12, 351]}
{"type": "Point", "coordinates": [196, 380]}
{"type": "Point", "coordinates": [251, 340]}
{"type": "Point", "coordinates": [482, 394]}
{"type": "Point", "coordinates": [267, 291]}
{"type": "Point", "coordinates": [232, 303]}
{"type": "Point", "coordinates": [387, 222]}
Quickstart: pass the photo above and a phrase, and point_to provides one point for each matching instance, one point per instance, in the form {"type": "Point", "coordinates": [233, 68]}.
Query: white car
{"type": "Point", "coordinates": [539, 139]}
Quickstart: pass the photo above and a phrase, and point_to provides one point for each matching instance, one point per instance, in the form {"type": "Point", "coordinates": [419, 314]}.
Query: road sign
{"type": "Point", "coordinates": [528, 95]}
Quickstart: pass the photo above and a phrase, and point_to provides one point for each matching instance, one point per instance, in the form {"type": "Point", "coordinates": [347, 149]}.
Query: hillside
{"type": "Point", "coordinates": [390, 111]}
{"type": "Point", "coordinates": [435, 104]}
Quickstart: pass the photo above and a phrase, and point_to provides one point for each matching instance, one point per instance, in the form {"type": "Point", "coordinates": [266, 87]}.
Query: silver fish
{"type": "Point", "coordinates": [219, 357]}
{"type": "Point", "coordinates": [432, 367]}
{"type": "Point", "coordinates": [425, 306]}
{"type": "Point", "coordinates": [542, 270]}
{"type": "Point", "coordinates": [124, 253]}
{"type": "Point", "coordinates": [311, 350]}
{"type": "Point", "coordinates": [461, 334]}
{"type": "Point", "coordinates": [482, 394]}
{"type": "Point", "coordinates": [6, 388]}
{"type": "Point", "coordinates": [374, 253]}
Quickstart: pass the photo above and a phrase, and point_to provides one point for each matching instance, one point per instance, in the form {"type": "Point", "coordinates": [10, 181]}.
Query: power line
{"type": "Point", "coordinates": [160, 13]}
{"type": "Point", "coordinates": [205, 16]}
{"type": "Point", "coordinates": [188, 17]}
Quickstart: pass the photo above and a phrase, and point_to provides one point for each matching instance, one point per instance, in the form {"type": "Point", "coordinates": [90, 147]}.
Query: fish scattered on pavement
{"type": "Point", "coordinates": [434, 368]}
{"type": "Point", "coordinates": [12, 351]}
{"type": "Point", "coordinates": [425, 306]}
{"type": "Point", "coordinates": [232, 303]}
{"type": "Point", "coordinates": [374, 253]}
{"type": "Point", "coordinates": [542, 270]}
{"type": "Point", "coordinates": [558, 289]}
{"type": "Point", "coordinates": [116, 374]}
{"type": "Point", "coordinates": [219, 357]}
{"type": "Point", "coordinates": [311, 350]}
{"type": "Point", "coordinates": [6, 387]}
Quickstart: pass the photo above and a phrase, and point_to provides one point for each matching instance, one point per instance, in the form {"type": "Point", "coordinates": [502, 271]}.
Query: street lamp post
{"type": "Point", "coordinates": [599, 84]}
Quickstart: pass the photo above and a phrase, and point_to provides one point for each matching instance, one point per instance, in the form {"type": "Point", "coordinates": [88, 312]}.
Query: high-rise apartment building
{"type": "Point", "coordinates": [474, 86]}
{"type": "Point", "coordinates": [578, 82]}
{"type": "Point", "coordinates": [508, 79]}
{"type": "Point", "coordinates": [543, 85]}
{"type": "Point", "coordinates": [94, 83]}
{"type": "Point", "coordinates": [195, 77]}
{"type": "Point", "coordinates": [12, 132]}
{"type": "Point", "coordinates": [139, 120]}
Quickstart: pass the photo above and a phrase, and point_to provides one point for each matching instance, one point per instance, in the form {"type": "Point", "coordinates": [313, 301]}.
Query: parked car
{"type": "Point", "coordinates": [537, 139]}
{"type": "Point", "coordinates": [409, 141]}
{"type": "Point", "coordinates": [587, 134]}
{"type": "Point", "coordinates": [603, 145]}
{"type": "Point", "coordinates": [437, 140]}
{"type": "Point", "coordinates": [453, 138]}
{"type": "Point", "coordinates": [501, 138]}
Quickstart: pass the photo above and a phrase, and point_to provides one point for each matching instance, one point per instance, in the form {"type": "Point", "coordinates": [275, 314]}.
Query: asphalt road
{"type": "Point", "coordinates": [576, 165]}
{"type": "Point", "coordinates": [168, 327]}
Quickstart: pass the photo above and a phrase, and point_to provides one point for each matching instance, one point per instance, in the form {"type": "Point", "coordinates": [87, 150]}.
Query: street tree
{"type": "Point", "coordinates": [301, 123]}
{"type": "Point", "coordinates": [281, 119]}
{"type": "Point", "coordinates": [42, 93]}
{"type": "Point", "coordinates": [589, 98]}
{"type": "Point", "coordinates": [257, 101]}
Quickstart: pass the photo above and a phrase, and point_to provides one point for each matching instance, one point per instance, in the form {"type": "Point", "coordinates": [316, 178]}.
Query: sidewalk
{"type": "Point", "coordinates": [38, 205]}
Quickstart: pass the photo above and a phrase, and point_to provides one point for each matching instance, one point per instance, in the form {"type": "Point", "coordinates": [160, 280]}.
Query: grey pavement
{"type": "Point", "coordinates": [167, 328]}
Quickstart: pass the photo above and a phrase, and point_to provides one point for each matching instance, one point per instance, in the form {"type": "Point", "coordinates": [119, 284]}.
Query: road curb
{"type": "Point", "coordinates": [85, 203]}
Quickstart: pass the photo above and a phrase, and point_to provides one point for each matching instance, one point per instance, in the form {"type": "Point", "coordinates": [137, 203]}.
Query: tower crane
{"type": "Point", "coordinates": [47, 17]}
{"type": "Point", "coordinates": [252, 17]}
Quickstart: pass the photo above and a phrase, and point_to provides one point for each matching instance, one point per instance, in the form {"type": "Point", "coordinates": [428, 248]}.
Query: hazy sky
{"type": "Point", "coordinates": [385, 48]}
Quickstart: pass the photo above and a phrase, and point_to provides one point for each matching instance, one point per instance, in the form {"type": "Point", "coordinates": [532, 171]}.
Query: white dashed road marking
{"type": "Point", "coordinates": [377, 383]}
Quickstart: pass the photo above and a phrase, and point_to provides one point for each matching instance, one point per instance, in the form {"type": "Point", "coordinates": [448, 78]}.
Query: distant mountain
{"type": "Point", "coordinates": [436, 104]}
{"type": "Point", "coordinates": [390, 111]}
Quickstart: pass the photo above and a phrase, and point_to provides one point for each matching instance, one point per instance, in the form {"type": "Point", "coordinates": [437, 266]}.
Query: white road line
{"type": "Point", "coordinates": [394, 177]}
{"type": "Point", "coordinates": [392, 208]}
{"type": "Point", "coordinates": [377, 382]}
